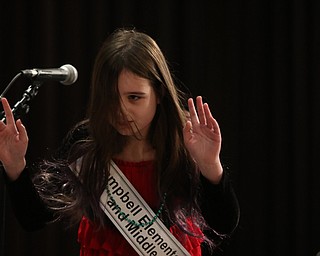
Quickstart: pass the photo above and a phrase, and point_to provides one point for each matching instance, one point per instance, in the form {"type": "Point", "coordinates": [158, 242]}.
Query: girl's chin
{"type": "Point", "coordinates": [126, 131]}
{"type": "Point", "coordinates": [130, 133]}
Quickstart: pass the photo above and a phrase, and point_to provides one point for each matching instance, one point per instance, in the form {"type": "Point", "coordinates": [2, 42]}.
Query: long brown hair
{"type": "Point", "coordinates": [176, 172]}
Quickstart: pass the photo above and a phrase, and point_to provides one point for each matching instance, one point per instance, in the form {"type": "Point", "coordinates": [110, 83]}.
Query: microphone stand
{"type": "Point", "coordinates": [20, 108]}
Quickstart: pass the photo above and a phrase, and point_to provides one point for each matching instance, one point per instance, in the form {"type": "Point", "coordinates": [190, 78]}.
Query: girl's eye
{"type": "Point", "coordinates": [133, 97]}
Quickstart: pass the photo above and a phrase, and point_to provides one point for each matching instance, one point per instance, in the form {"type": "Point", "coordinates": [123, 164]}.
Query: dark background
{"type": "Point", "coordinates": [255, 62]}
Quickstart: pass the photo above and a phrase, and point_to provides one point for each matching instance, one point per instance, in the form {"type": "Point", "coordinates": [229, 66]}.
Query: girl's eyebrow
{"type": "Point", "coordinates": [136, 93]}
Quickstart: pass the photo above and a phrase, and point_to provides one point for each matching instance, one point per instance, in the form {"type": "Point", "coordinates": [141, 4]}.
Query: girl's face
{"type": "Point", "coordinates": [138, 104]}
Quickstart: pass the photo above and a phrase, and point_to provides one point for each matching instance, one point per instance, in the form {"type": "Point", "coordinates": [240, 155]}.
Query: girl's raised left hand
{"type": "Point", "coordinates": [202, 138]}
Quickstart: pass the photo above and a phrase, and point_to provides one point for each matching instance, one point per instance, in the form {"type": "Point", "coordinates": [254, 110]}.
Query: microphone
{"type": "Point", "coordinates": [66, 74]}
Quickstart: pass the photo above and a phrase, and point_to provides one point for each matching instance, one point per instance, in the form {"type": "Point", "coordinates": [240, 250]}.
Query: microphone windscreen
{"type": "Point", "coordinates": [72, 74]}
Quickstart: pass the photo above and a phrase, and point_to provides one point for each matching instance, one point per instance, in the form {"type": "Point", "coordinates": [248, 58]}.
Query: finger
{"type": "Point", "coordinates": [23, 136]}
{"type": "Point", "coordinates": [188, 126]}
{"type": "Point", "coordinates": [209, 116]}
{"type": "Point", "coordinates": [200, 110]}
{"type": "Point", "coordinates": [187, 131]}
{"type": "Point", "coordinates": [193, 113]}
{"type": "Point", "coordinates": [2, 125]}
{"type": "Point", "coordinates": [8, 112]}
{"type": "Point", "coordinates": [211, 122]}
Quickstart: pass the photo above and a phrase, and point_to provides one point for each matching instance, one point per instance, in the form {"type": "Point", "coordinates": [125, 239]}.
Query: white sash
{"type": "Point", "coordinates": [146, 237]}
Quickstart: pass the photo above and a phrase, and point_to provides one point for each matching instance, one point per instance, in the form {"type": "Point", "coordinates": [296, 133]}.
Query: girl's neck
{"type": "Point", "coordinates": [136, 151]}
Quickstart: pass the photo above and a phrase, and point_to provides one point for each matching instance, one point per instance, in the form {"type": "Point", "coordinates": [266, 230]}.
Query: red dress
{"type": "Point", "coordinates": [109, 241]}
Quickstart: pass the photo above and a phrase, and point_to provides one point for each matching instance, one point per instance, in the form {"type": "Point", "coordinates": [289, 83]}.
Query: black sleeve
{"type": "Point", "coordinates": [221, 211]}
{"type": "Point", "coordinates": [220, 206]}
{"type": "Point", "coordinates": [28, 208]}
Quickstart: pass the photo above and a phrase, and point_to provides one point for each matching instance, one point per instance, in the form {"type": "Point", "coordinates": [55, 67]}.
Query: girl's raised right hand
{"type": "Point", "coordinates": [13, 143]}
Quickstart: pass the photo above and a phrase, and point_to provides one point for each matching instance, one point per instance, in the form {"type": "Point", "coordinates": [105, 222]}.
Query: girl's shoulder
{"type": "Point", "coordinates": [80, 132]}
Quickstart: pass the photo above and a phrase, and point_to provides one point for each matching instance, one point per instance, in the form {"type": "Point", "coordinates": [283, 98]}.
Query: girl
{"type": "Point", "coordinates": [135, 119]}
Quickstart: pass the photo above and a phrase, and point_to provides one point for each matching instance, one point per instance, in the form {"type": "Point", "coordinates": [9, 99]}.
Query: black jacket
{"type": "Point", "coordinates": [219, 203]}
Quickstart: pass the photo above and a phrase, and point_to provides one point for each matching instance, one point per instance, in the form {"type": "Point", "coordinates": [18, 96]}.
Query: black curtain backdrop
{"type": "Point", "coordinates": [255, 62]}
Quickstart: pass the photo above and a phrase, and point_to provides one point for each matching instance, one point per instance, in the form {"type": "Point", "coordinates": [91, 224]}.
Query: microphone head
{"type": "Point", "coordinates": [72, 74]}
